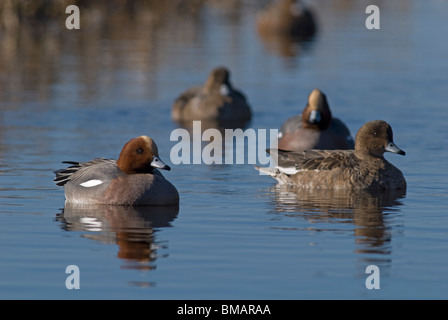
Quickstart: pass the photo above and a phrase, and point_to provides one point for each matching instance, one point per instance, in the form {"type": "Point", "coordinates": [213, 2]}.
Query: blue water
{"type": "Point", "coordinates": [236, 235]}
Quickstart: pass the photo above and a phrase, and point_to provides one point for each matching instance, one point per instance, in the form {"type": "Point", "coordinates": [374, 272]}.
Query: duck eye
{"type": "Point", "coordinates": [139, 151]}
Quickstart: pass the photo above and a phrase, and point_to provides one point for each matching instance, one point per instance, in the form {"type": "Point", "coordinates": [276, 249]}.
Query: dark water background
{"type": "Point", "coordinates": [81, 94]}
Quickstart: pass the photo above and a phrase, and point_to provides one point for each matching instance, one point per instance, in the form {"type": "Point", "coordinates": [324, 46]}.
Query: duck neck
{"type": "Point", "coordinates": [125, 167]}
{"type": "Point", "coordinates": [364, 155]}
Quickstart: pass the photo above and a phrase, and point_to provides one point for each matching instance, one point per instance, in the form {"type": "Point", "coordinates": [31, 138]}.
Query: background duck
{"type": "Point", "coordinates": [315, 128]}
{"type": "Point", "coordinates": [287, 18]}
{"type": "Point", "coordinates": [217, 100]}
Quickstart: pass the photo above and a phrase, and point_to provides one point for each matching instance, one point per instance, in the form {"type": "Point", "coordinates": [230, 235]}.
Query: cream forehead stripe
{"type": "Point", "coordinates": [315, 98]}
{"type": "Point", "coordinates": [91, 183]}
{"type": "Point", "coordinates": [151, 143]}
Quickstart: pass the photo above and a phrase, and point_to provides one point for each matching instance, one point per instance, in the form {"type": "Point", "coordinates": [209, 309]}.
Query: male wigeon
{"type": "Point", "coordinates": [287, 18]}
{"type": "Point", "coordinates": [362, 168]}
{"type": "Point", "coordinates": [315, 128]}
{"type": "Point", "coordinates": [133, 180]}
{"type": "Point", "coordinates": [216, 100]}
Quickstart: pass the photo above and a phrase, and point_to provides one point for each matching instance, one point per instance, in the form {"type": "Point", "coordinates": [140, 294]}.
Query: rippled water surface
{"type": "Point", "coordinates": [81, 94]}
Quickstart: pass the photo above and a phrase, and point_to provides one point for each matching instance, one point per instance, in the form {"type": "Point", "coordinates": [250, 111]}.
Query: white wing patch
{"type": "Point", "coordinates": [293, 170]}
{"type": "Point", "coordinates": [288, 170]}
{"type": "Point", "coordinates": [91, 183]}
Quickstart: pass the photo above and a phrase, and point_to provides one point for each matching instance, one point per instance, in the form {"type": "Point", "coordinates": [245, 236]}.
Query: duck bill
{"type": "Point", "coordinates": [315, 116]}
{"type": "Point", "coordinates": [391, 147]}
{"type": "Point", "coordinates": [159, 164]}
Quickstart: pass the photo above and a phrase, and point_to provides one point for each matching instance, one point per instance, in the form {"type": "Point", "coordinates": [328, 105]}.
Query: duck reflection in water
{"type": "Point", "coordinates": [131, 228]}
{"type": "Point", "coordinates": [367, 211]}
